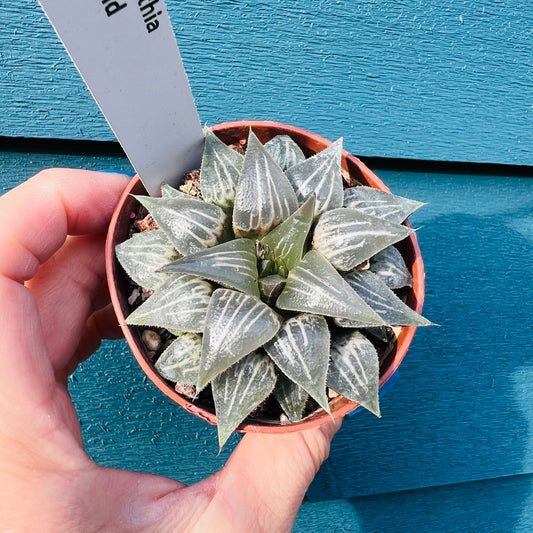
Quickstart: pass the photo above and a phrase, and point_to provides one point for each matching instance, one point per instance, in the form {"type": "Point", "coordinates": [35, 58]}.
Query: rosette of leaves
{"type": "Point", "coordinates": [276, 285]}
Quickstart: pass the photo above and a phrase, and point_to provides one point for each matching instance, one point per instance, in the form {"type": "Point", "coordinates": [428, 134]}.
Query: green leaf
{"type": "Point", "coordinates": [191, 224]}
{"type": "Point", "coordinates": [291, 398]}
{"type": "Point", "coordinates": [220, 171]}
{"type": "Point", "coordinates": [390, 266]}
{"type": "Point", "coordinates": [314, 286]}
{"type": "Point", "coordinates": [354, 370]}
{"type": "Point", "coordinates": [286, 242]}
{"type": "Point", "coordinates": [386, 304]}
{"type": "Point", "coordinates": [346, 237]}
{"type": "Point", "coordinates": [167, 191]}
{"type": "Point", "coordinates": [285, 151]}
{"type": "Point", "coordinates": [180, 362]}
{"type": "Point", "coordinates": [179, 305]}
{"type": "Point", "coordinates": [264, 196]}
{"type": "Point", "coordinates": [381, 204]}
{"type": "Point", "coordinates": [301, 351]}
{"type": "Point", "coordinates": [232, 264]}
{"type": "Point", "coordinates": [239, 390]}
{"type": "Point", "coordinates": [145, 253]}
{"type": "Point", "coordinates": [236, 325]}
{"type": "Point", "coordinates": [321, 174]}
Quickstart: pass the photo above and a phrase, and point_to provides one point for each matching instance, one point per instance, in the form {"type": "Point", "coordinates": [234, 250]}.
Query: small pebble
{"type": "Point", "coordinates": [152, 340]}
{"type": "Point", "coordinates": [133, 296]}
{"type": "Point", "coordinates": [187, 390]}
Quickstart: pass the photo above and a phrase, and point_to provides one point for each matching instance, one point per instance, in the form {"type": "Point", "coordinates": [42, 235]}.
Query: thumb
{"type": "Point", "coordinates": [264, 481]}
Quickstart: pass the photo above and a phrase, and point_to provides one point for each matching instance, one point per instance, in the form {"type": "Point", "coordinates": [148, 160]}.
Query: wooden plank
{"type": "Point", "coordinates": [492, 506]}
{"type": "Point", "coordinates": [461, 410]}
{"type": "Point", "coordinates": [431, 80]}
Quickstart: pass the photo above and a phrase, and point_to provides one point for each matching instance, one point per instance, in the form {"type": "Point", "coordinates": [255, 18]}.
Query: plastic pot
{"type": "Point", "coordinates": [231, 133]}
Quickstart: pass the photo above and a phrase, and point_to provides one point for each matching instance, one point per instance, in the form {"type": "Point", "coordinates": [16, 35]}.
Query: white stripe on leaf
{"type": "Point", "coordinates": [285, 151]}
{"type": "Point", "coordinates": [381, 204]}
{"type": "Point", "coordinates": [236, 324]}
{"type": "Point", "coordinates": [189, 223]}
{"type": "Point", "coordinates": [220, 171]}
{"type": "Point", "coordinates": [179, 305]}
{"type": "Point", "coordinates": [314, 286]}
{"type": "Point", "coordinates": [180, 362]}
{"type": "Point", "coordinates": [232, 264]}
{"type": "Point", "coordinates": [346, 237]}
{"type": "Point", "coordinates": [301, 351]}
{"type": "Point", "coordinates": [145, 253]}
{"type": "Point", "coordinates": [239, 390]}
{"type": "Point", "coordinates": [321, 174]}
{"type": "Point", "coordinates": [291, 397]}
{"type": "Point", "coordinates": [264, 196]}
{"type": "Point", "coordinates": [354, 370]}
{"type": "Point", "coordinates": [390, 266]}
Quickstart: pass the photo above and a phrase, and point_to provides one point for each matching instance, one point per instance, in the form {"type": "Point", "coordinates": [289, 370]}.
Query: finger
{"type": "Point", "coordinates": [65, 288]}
{"type": "Point", "coordinates": [268, 476]}
{"type": "Point", "coordinates": [36, 217]}
{"type": "Point", "coordinates": [102, 324]}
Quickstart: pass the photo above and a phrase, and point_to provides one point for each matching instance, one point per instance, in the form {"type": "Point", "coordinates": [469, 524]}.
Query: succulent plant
{"type": "Point", "coordinates": [275, 281]}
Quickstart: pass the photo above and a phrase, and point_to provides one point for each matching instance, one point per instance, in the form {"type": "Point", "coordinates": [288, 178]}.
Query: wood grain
{"type": "Point", "coordinates": [461, 409]}
{"type": "Point", "coordinates": [399, 79]}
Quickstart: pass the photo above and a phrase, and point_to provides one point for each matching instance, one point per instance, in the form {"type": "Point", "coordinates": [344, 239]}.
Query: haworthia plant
{"type": "Point", "coordinates": [276, 283]}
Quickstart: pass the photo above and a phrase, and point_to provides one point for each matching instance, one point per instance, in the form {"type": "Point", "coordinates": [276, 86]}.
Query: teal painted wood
{"type": "Point", "coordinates": [461, 410]}
{"type": "Point", "coordinates": [425, 80]}
{"type": "Point", "coordinates": [501, 505]}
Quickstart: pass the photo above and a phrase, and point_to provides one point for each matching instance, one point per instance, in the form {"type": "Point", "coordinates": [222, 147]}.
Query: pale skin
{"type": "Point", "coordinates": [54, 312]}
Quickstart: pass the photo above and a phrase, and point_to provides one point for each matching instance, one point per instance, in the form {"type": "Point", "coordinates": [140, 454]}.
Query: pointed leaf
{"type": "Point", "coordinates": [236, 325]}
{"type": "Point", "coordinates": [322, 175]}
{"type": "Point", "coordinates": [390, 266]}
{"type": "Point", "coordinates": [232, 264]}
{"type": "Point", "coordinates": [301, 351]}
{"type": "Point", "coordinates": [346, 237]}
{"type": "Point", "coordinates": [264, 196]}
{"type": "Point", "coordinates": [291, 398]}
{"type": "Point", "coordinates": [167, 191]}
{"type": "Point", "coordinates": [286, 242]}
{"type": "Point", "coordinates": [180, 362]}
{"type": "Point", "coordinates": [145, 253]}
{"type": "Point", "coordinates": [386, 304]}
{"type": "Point", "coordinates": [220, 171]}
{"type": "Point", "coordinates": [179, 305]}
{"type": "Point", "coordinates": [354, 370]}
{"type": "Point", "coordinates": [285, 151]}
{"type": "Point", "coordinates": [381, 204]}
{"type": "Point", "coordinates": [239, 390]}
{"type": "Point", "coordinates": [189, 223]}
{"type": "Point", "coordinates": [314, 286]}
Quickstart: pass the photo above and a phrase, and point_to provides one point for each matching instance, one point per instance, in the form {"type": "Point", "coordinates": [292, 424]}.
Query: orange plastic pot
{"type": "Point", "coordinates": [231, 133]}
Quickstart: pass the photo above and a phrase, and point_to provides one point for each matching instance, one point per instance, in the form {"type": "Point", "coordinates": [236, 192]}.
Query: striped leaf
{"type": "Point", "coordinates": [381, 204]}
{"type": "Point", "coordinates": [239, 390]}
{"type": "Point", "coordinates": [301, 351]}
{"type": "Point", "coordinates": [390, 266]}
{"type": "Point", "coordinates": [179, 305]}
{"type": "Point", "coordinates": [320, 174]}
{"type": "Point", "coordinates": [354, 370]}
{"type": "Point", "coordinates": [291, 398]}
{"type": "Point", "coordinates": [285, 151]}
{"type": "Point", "coordinates": [180, 362]}
{"type": "Point", "coordinates": [386, 304]}
{"type": "Point", "coordinates": [189, 223]}
{"type": "Point", "coordinates": [286, 242]}
{"type": "Point", "coordinates": [232, 264]}
{"type": "Point", "coordinates": [143, 255]}
{"type": "Point", "coordinates": [236, 325]}
{"type": "Point", "coordinates": [346, 237]}
{"type": "Point", "coordinates": [220, 171]}
{"type": "Point", "coordinates": [314, 286]}
{"type": "Point", "coordinates": [264, 196]}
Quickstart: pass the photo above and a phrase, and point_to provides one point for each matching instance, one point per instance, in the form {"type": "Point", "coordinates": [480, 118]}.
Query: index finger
{"type": "Point", "coordinates": [37, 216]}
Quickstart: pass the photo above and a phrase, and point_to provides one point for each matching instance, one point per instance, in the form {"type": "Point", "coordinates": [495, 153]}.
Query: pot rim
{"type": "Point", "coordinates": [339, 406]}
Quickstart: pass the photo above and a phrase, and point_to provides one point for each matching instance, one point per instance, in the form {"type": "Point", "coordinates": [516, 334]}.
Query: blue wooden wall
{"type": "Point", "coordinates": [408, 80]}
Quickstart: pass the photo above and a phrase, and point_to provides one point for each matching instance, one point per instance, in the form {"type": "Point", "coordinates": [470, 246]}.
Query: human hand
{"type": "Point", "coordinates": [54, 311]}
